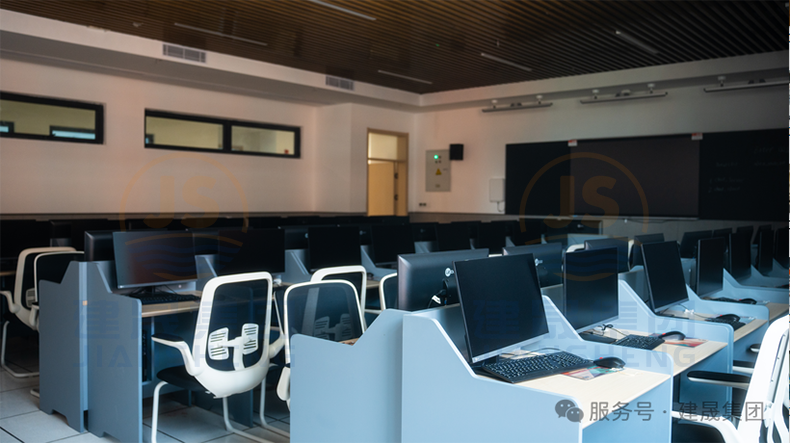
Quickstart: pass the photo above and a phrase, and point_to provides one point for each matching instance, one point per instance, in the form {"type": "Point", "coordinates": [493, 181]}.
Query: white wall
{"type": "Point", "coordinates": [484, 136]}
{"type": "Point", "coordinates": [44, 177]}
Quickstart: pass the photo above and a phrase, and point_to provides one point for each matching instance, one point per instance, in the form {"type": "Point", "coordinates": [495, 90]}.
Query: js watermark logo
{"type": "Point", "coordinates": [569, 410]}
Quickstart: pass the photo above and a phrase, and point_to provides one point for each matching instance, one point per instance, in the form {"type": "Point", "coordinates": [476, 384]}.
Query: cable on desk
{"type": "Point", "coordinates": [611, 326]}
{"type": "Point", "coordinates": [694, 313]}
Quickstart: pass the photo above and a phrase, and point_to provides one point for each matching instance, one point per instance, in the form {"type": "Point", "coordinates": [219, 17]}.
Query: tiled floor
{"type": "Point", "coordinates": [22, 421]}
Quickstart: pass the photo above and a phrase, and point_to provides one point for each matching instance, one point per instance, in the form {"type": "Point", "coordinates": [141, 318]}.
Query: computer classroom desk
{"type": "Point", "coordinates": [96, 355]}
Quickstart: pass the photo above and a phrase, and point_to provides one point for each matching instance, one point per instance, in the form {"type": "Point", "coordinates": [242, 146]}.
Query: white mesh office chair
{"type": "Point", "coordinates": [23, 302]}
{"type": "Point", "coordinates": [328, 310]}
{"type": "Point", "coordinates": [388, 291]}
{"type": "Point", "coordinates": [230, 352]}
{"type": "Point", "coordinates": [356, 275]}
{"type": "Point", "coordinates": [767, 389]}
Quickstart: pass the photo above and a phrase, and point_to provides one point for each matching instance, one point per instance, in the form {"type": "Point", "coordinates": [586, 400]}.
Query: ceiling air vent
{"type": "Point", "coordinates": [341, 83]}
{"type": "Point", "coordinates": [184, 53]}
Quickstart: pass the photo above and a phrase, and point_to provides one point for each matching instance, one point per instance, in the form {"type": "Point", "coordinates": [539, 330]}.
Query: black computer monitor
{"type": "Point", "coordinates": [747, 229]}
{"type": "Point", "coordinates": [740, 255]}
{"type": "Point", "coordinates": [424, 231]}
{"type": "Point", "coordinates": [252, 251]}
{"type": "Point", "coordinates": [782, 247]}
{"type": "Point", "coordinates": [79, 227]}
{"type": "Point", "coordinates": [621, 243]}
{"type": "Point", "coordinates": [765, 251]}
{"type": "Point", "coordinates": [503, 311]}
{"type": "Point", "coordinates": [526, 232]}
{"type": "Point", "coordinates": [328, 247]}
{"type": "Point", "coordinates": [639, 240]}
{"type": "Point", "coordinates": [491, 236]}
{"type": "Point", "coordinates": [722, 233]}
{"type": "Point", "coordinates": [548, 261]}
{"type": "Point", "coordinates": [146, 259]}
{"type": "Point", "coordinates": [98, 246]}
{"type": "Point", "coordinates": [420, 276]}
{"type": "Point", "coordinates": [452, 236]}
{"type": "Point", "coordinates": [590, 287]}
{"type": "Point", "coordinates": [18, 235]}
{"type": "Point", "coordinates": [688, 245]}
{"type": "Point", "coordinates": [390, 241]}
{"type": "Point", "coordinates": [710, 273]}
{"type": "Point", "coordinates": [665, 282]}
{"type": "Point", "coordinates": [295, 236]}
{"type": "Point", "coordinates": [760, 229]}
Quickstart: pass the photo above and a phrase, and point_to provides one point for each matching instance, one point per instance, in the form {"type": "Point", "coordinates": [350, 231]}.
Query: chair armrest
{"type": "Point", "coordinates": [755, 348]}
{"type": "Point", "coordinates": [743, 367]}
{"type": "Point", "coordinates": [12, 308]}
{"type": "Point", "coordinates": [177, 342]}
{"type": "Point", "coordinates": [33, 318]}
{"type": "Point", "coordinates": [276, 346]}
{"type": "Point", "coordinates": [720, 378]}
{"type": "Point", "coordinates": [284, 385]}
{"type": "Point", "coordinates": [725, 427]}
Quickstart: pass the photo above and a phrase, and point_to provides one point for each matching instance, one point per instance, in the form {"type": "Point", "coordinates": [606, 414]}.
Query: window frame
{"type": "Point", "coordinates": [227, 134]}
{"type": "Point", "coordinates": [97, 108]}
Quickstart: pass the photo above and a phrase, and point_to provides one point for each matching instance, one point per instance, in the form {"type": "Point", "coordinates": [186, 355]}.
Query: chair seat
{"type": "Point", "coordinates": [179, 376]}
{"type": "Point", "coordinates": [688, 433]}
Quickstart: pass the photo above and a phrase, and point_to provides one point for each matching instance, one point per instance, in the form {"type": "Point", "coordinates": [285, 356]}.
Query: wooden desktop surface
{"type": "Point", "coordinates": [776, 310]}
{"type": "Point", "coordinates": [624, 387]}
{"type": "Point", "coordinates": [738, 334]}
{"type": "Point", "coordinates": [683, 357]}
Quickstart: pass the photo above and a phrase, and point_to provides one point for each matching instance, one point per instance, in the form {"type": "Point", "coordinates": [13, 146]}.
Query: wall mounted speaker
{"type": "Point", "coordinates": [456, 152]}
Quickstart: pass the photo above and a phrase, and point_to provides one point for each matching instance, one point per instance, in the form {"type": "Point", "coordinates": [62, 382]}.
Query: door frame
{"type": "Point", "coordinates": [405, 162]}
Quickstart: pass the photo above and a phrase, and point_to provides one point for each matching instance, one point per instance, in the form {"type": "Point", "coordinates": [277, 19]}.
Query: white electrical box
{"type": "Point", "coordinates": [496, 190]}
{"type": "Point", "coordinates": [437, 171]}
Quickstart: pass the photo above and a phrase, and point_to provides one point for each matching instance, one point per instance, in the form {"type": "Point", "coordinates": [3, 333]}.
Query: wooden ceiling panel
{"type": "Point", "coordinates": [441, 41]}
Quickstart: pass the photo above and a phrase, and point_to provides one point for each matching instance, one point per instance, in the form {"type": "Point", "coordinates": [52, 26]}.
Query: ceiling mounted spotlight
{"type": "Point", "coordinates": [624, 94]}
{"type": "Point", "coordinates": [750, 85]}
{"type": "Point", "coordinates": [518, 105]}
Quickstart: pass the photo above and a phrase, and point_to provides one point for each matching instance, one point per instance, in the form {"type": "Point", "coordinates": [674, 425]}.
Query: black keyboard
{"type": "Point", "coordinates": [639, 342]}
{"type": "Point", "coordinates": [736, 324]}
{"type": "Point", "coordinates": [527, 368]}
{"type": "Point", "coordinates": [164, 297]}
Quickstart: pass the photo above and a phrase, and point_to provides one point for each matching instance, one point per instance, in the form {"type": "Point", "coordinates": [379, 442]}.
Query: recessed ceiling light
{"type": "Point", "coordinates": [509, 63]}
{"type": "Point", "coordinates": [219, 34]}
{"type": "Point", "coordinates": [347, 11]}
{"type": "Point", "coordinates": [406, 77]}
{"type": "Point", "coordinates": [636, 42]}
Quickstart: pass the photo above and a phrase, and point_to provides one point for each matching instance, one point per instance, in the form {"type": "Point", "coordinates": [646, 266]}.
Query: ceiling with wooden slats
{"type": "Point", "coordinates": [441, 42]}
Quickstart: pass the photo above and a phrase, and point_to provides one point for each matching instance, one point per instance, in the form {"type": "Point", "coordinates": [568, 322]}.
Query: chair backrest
{"type": "Point", "coordinates": [52, 266]}
{"type": "Point", "coordinates": [25, 281]}
{"type": "Point", "coordinates": [388, 291]}
{"type": "Point", "coordinates": [768, 386]}
{"type": "Point", "coordinates": [327, 309]}
{"type": "Point", "coordinates": [232, 332]}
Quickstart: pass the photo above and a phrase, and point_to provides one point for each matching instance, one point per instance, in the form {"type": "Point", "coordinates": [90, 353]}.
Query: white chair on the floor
{"type": "Point", "coordinates": [230, 352]}
{"type": "Point", "coordinates": [767, 390]}
{"type": "Point", "coordinates": [24, 301]}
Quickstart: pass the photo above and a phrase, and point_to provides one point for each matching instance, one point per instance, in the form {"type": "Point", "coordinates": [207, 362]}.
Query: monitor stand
{"type": "Point", "coordinates": [589, 336]}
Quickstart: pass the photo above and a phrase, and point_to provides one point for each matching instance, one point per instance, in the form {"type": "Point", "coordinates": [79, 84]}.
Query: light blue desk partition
{"type": "Point", "coordinates": [367, 263]}
{"type": "Point", "coordinates": [778, 271]}
{"type": "Point", "coordinates": [92, 349]}
{"type": "Point", "coordinates": [445, 401]}
{"type": "Point", "coordinates": [579, 239]}
{"type": "Point", "coordinates": [295, 269]}
{"type": "Point", "coordinates": [757, 279]}
{"type": "Point", "coordinates": [342, 393]}
{"type": "Point", "coordinates": [422, 247]}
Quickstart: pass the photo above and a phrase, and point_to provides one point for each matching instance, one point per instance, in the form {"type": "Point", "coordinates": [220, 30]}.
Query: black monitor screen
{"type": "Point", "coordinates": [452, 236]}
{"type": "Point", "coordinates": [688, 245]}
{"type": "Point", "coordinates": [765, 253]}
{"type": "Point", "coordinates": [150, 258]}
{"type": "Point", "coordinates": [420, 276]}
{"type": "Point", "coordinates": [665, 281]}
{"type": "Point", "coordinates": [491, 236]}
{"type": "Point", "coordinates": [526, 232]}
{"type": "Point", "coordinates": [639, 240]}
{"type": "Point", "coordinates": [782, 249]}
{"type": "Point", "coordinates": [710, 273]}
{"type": "Point", "coordinates": [722, 233]}
{"type": "Point", "coordinates": [390, 241]}
{"type": "Point", "coordinates": [333, 246]}
{"type": "Point", "coordinates": [740, 255]}
{"type": "Point", "coordinates": [98, 246]}
{"type": "Point", "coordinates": [548, 261]}
{"type": "Point", "coordinates": [590, 287]}
{"type": "Point", "coordinates": [747, 229]}
{"type": "Point", "coordinates": [252, 251]}
{"type": "Point", "coordinates": [621, 243]}
{"type": "Point", "coordinates": [502, 311]}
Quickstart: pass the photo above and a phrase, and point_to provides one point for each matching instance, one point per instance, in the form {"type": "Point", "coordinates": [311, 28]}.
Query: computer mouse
{"type": "Point", "coordinates": [729, 317]}
{"type": "Point", "coordinates": [610, 362]}
{"type": "Point", "coordinates": [749, 301]}
{"type": "Point", "coordinates": [673, 335]}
